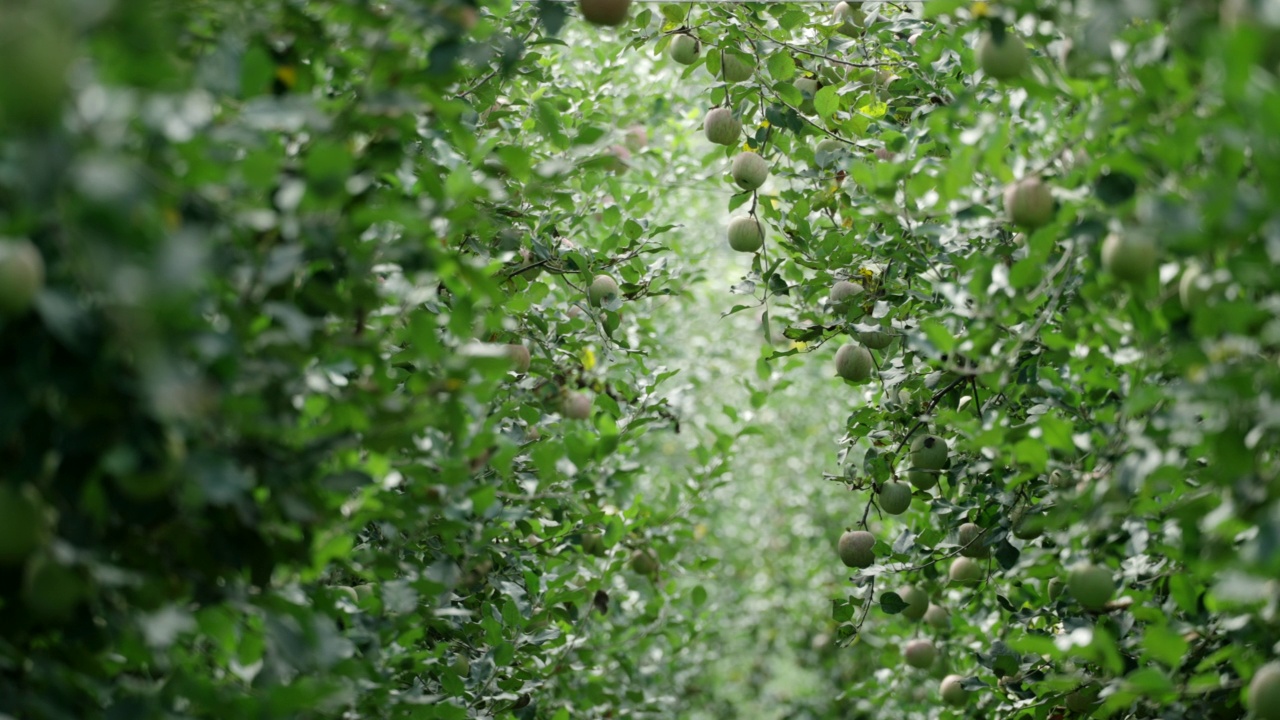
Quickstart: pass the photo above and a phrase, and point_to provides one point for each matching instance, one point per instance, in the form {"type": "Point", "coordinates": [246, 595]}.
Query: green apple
{"type": "Point", "coordinates": [849, 18]}
{"type": "Point", "coordinates": [1056, 586]}
{"type": "Point", "coordinates": [36, 52]}
{"type": "Point", "coordinates": [24, 523]}
{"type": "Point", "coordinates": [593, 543]}
{"type": "Point", "coordinates": [1264, 692]}
{"type": "Point", "coordinates": [828, 151]}
{"type": "Point", "coordinates": [603, 290]}
{"type": "Point", "coordinates": [895, 498]}
{"type": "Point", "coordinates": [610, 13]}
{"type": "Point", "coordinates": [1130, 256]}
{"type": "Point", "coordinates": [844, 293]}
{"type": "Point", "coordinates": [808, 87]}
{"type": "Point", "coordinates": [920, 653]}
{"type": "Point", "coordinates": [971, 541]}
{"type": "Point", "coordinates": [937, 616]}
{"type": "Point", "coordinates": [853, 362]}
{"type": "Point", "coordinates": [917, 602]}
{"type": "Point", "coordinates": [684, 49]}
{"type": "Point", "coordinates": [21, 276]}
{"type": "Point", "coordinates": [928, 452]}
{"type": "Point", "coordinates": [520, 358]}
{"type": "Point", "coordinates": [50, 590]}
{"type": "Point", "coordinates": [856, 549]}
{"type": "Point", "coordinates": [1092, 586]}
{"type": "Point", "coordinates": [749, 170]}
{"type": "Point", "coordinates": [923, 479]}
{"type": "Point", "coordinates": [1193, 288]}
{"type": "Point", "coordinates": [953, 693]}
{"type": "Point", "coordinates": [1002, 59]}
{"type": "Point", "coordinates": [746, 234]}
{"type": "Point", "coordinates": [875, 339]}
{"type": "Point", "coordinates": [575, 405]}
{"type": "Point", "coordinates": [964, 571]}
{"type": "Point", "coordinates": [721, 127]}
{"type": "Point", "coordinates": [734, 69]}
{"type": "Point", "coordinates": [1028, 203]}
{"type": "Point", "coordinates": [645, 562]}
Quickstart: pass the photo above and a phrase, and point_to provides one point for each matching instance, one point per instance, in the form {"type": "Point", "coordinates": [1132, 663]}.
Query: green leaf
{"type": "Point", "coordinates": [826, 101]}
{"type": "Point", "coordinates": [781, 66]}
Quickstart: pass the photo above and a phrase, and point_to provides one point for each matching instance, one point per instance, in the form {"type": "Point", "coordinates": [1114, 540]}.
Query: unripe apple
{"type": "Point", "coordinates": [1085, 699]}
{"type": "Point", "coordinates": [746, 234]}
{"type": "Point", "coordinates": [853, 362]}
{"type": "Point", "coordinates": [50, 590]}
{"type": "Point", "coordinates": [721, 127]}
{"type": "Point", "coordinates": [637, 138]}
{"type": "Point", "coordinates": [1264, 692]}
{"type": "Point", "coordinates": [21, 276]}
{"type": "Point", "coordinates": [1056, 586]}
{"type": "Point", "coordinates": [857, 549]}
{"type": "Point", "coordinates": [928, 452]}
{"type": "Point", "coordinates": [1028, 523]}
{"type": "Point", "coordinates": [1193, 288]}
{"type": "Point", "coordinates": [1092, 586]}
{"type": "Point", "coordinates": [922, 479]}
{"type": "Point", "coordinates": [850, 18]}
{"type": "Point", "coordinates": [592, 543]}
{"type": "Point", "coordinates": [937, 616]}
{"type": "Point", "coordinates": [808, 87]}
{"type": "Point", "coordinates": [1130, 256]}
{"type": "Point", "coordinates": [875, 339]}
{"type": "Point", "coordinates": [953, 693]}
{"type": "Point", "coordinates": [971, 541]}
{"type": "Point", "coordinates": [610, 13]}
{"type": "Point", "coordinates": [24, 524]}
{"type": "Point", "coordinates": [895, 498]}
{"type": "Point", "coordinates": [621, 160]}
{"type": "Point", "coordinates": [843, 293]}
{"type": "Point", "coordinates": [917, 602]}
{"type": "Point", "coordinates": [920, 653]}
{"type": "Point", "coordinates": [520, 358]}
{"type": "Point", "coordinates": [828, 151]}
{"type": "Point", "coordinates": [884, 154]}
{"type": "Point", "coordinates": [1004, 59]}
{"type": "Point", "coordinates": [575, 405]}
{"type": "Point", "coordinates": [603, 290]}
{"type": "Point", "coordinates": [645, 562]}
{"type": "Point", "coordinates": [684, 49]}
{"type": "Point", "coordinates": [1028, 203]}
{"type": "Point", "coordinates": [36, 52]}
{"type": "Point", "coordinates": [964, 571]}
{"type": "Point", "coordinates": [734, 69]}
{"type": "Point", "coordinates": [749, 170]}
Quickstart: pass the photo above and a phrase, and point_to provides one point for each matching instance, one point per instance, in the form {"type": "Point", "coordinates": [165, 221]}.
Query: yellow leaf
{"type": "Point", "coordinates": [797, 345]}
{"type": "Point", "coordinates": [453, 384]}
{"type": "Point", "coordinates": [980, 9]}
{"type": "Point", "coordinates": [287, 75]}
{"type": "Point", "coordinates": [847, 222]}
{"type": "Point", "coordinates": [764, 123]}
{"type": "Point", "coordinates": [588, 359]}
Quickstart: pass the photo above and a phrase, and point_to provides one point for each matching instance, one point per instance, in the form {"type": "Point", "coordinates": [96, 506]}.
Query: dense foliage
{"type": "Point", "coordinates": [355, 359]}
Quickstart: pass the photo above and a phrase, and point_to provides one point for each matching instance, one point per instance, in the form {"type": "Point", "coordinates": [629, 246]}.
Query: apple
{"type": "Point", "coordinates": [610, 13]}
{"type": "Point", "coordinates": [1056, 586]}
{"type": "Point", "coordinates": [920, 653]}
{"type": "Point", "coordinates": [749, 170]}
{"type": "Point", "coordinates": [928, 452]}
{"type": "Point", "coordinates": [520, 358]}
{"type": "Point", "coordinates": [853, 362]}
{"type": "Point", "coordinates": [645, 562]}
{"type": "Point", "coordinates": [895, 498]}
{"type": "Point", "coordinates": [843, 293]}
{"type": "Point", "coordinates": [875, 339]}
{"type": "Point", "coordinates": [637, 138]}
{"type": "Point", "coordinates": [603, 290]}
{"type": "Point", "coordinates": [592, 543]}
{"type": "Point", "coordinates": [1193, 288]}
{"type": "Point", "coordinates": [746, 234]}
{"type": "Point", "coordinates": [734, 69]}
{"type": "Point", "coordinates": [1264, 692]}
{"type": "Point", "coordinates": [684, 49]}
{"type": "Point", "coordinates": [575, 405]}
{"type": "Point", "coordinates": [36, 53]}
{"type": "Point", "coordinates": [50, 590]}
{"type": "Point", "coordinates": [1130, 256]}
{"type": "Point", "coordinates": [964, 571]}
{"type": "Point", "coordinates": [971, 541]}
{"type": "Point", "coordinates": [808, 87]}
{"type": "Point", "coordinates": [828, 151]}
{"type": "Point", "coordinates": [1027, 523]}
{"type": "Point", "coordinates": [917, 602]}
{"type": "Point", "coordinates": [21, 276]}
{"type": "Point", "coordinates": [850, 18]}
{"type": "Point", "coordinates": [1002, 59]}
{"type": "Point", "coordinates": [922, 479]}
{"type": "Point", "coordinates": [1092, 586]}
{"type": "Point", "coordinates": [721, 127]}
{"type": "Point", "coordinates": [953, 693]}
{"type": "Point", "coordinates": [856, 549]}
{"type": "Point", "coordinates": [937, 616]}
{"type": "Point", "coordinates": [24, 524]}
{"type": "Point", "coordinates": [1028, 203]}
{"type": "Point", "coordinates": [884, 154]}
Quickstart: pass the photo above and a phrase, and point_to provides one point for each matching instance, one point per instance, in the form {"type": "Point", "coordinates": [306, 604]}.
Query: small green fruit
{"type": "Point", "coordinates": [364, 592]}
{"type": "Point", "coordinates": [920, 653]}
{"type": "Point", "coordinates": [853, 362]}
{"type": "Point", "coordinates": [24, 523]}
{"type": "Point", "coordinates": [721, 127]}
{"type": "Point", "coordinates": [1264, 692]}
{"type": "Point", "coordinates": [971, 541]}
{"type": "Point", "coordinates": [593, 543]}
{"type": "Point", "coordinates": [937, 616]}
{"type": "Point", "coordinates": [895, 499]}
{"type": "Point", "coordinates": [50, 590]}
{"type": "Point", "coordinates": [1130, 256]}
{"type": "Point", "coordinates": [923, 479]}
{"type": "Point", "coordinates": [575, 406]}
{"type": "Point", "coordinates": [808, 87]}
{"type": "Point", "coordinates": [1028, 203]}
{"type": "Point", "coordinates": [856, 549]}
{"type": "Point", "coordinates": [520, 358]}
{"type": "Point", "coordinates": [875, 339]}
{"type": "Point", "coordinates": [928, 452]}
{"type": "Point", "coordinates": [1092, 586]}
{"type": "Point", "coordinates": [749, 170]}
{"type": "Point", "coordinates": [964, 571]}
{"type": "Point", "coordinates": [609, 13]}
{"type": "Point", "coordinates": [684, 49]}
{"type": "Point", "coordinates": [1004, 59]}
{"type": "Point", "coordinates": [1193, 288]}
{"type": "Point", "coordinates": [1028, 523]}
{"type": "Point", "coordinates": [843, 293]}
{"type": "Point", "coordinates": [36, 52]}
{"type": "Point", "coordinates": [734, 69]}
{"type": "Point", "coordinates": [21, 276]}
{"type": "Point", "coordinates": [1056, 586]}
{"type": "Point", "coordinates": [850, 19]}
{"type": "Point", "coordinates": [746, 234]}
{"type": "Point", "coordinates": [953, 693]}
{"type": "Point", "coordinates": [917, 602]}
{"type": "Point", "coordinates": [603, 290]}
{"type": "Point", "coordinates": [645, 562]}
{"type": "Point", "coordinates": [828, 151]}
{"type": "Point", "coordinates": [347, 593]}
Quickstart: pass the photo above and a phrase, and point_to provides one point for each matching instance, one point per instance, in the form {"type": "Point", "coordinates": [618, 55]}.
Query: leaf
{"type": "Point", "coordinates": [826, 101]}
{"type": "Point", "coordinates": [781, 66]}
{"type": "Point", "coordinates": [892, 603]}
{"type": "Point", "coordinates": [1113, 188]}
